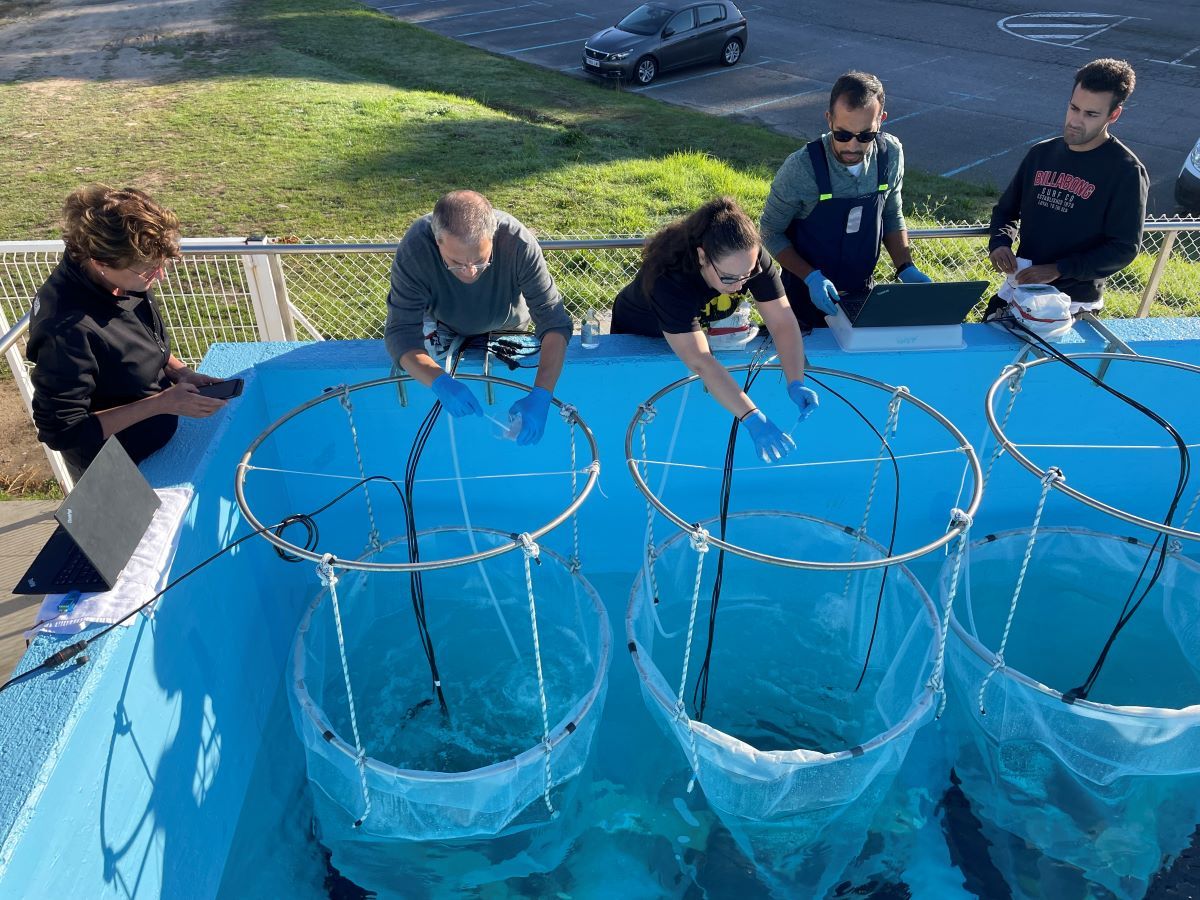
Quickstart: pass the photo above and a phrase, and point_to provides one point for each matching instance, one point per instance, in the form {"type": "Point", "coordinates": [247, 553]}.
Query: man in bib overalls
{"type": "Point", "coordinates": [834, 202]}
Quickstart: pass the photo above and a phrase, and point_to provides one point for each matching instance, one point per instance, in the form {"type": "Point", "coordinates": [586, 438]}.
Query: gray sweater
{"type": "Point", "coordinates": [794, 190]}
{"type": "Point", "coordinates": [513, 289]}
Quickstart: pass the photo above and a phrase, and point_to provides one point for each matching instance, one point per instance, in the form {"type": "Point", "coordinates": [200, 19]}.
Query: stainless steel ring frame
{"type": "Point", "coordinates": [1019, 369]}
{"type": "Point", "coordinates": [955, 529]}
{"type": "Point", "coordinates": [593, 475]}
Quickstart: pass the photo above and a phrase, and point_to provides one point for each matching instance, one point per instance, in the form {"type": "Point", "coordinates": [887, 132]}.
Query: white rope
{"type": "Point", "coordinates": [487, 582]}
{"type": "Point", "coordinates": [1014, 388]}
{"type": "Point", "coordinates": [1104, 446]}
{"type": "Point", "coordinates": [805, 465]}
{"type": "Point", "coordinates": [699, 539]}
{"type": "Point", "coordinates": [645, 417]}
{"type": "Point", "coordinates": [532, 551]}
{"type": "Point", "coordinates": [588, 468]}
{"type": "Point", "coordinates": [329, 578]}
{"type": "Point", "coordinates": [1175, 545]}
{"type": "Point", "coordinates": [1052, 476]}
{"type": "Point", "coordinates": [889, 428]}
{"type": "Point", "coordinates": [570, 416]}
{"type": "Point", "coordinates": [957, 518]}
{"type": "Point", "coordinates": [373, 540]}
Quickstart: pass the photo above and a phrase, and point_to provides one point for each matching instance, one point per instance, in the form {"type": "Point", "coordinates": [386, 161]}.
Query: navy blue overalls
{"type": "Point", "coordinates": [843, 244]}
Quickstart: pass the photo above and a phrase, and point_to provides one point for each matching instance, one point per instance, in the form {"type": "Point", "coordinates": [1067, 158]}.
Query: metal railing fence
{"type": "Point", "coordinates": [239, 289]}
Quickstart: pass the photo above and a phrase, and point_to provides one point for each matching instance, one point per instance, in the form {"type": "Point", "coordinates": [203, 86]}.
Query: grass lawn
{"type": "Point", "coordinates": [324, 118]}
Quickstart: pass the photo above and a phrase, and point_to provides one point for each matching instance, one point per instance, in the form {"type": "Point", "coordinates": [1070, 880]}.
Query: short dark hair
{"type": "Point", "coordinates": [465, 214]}
{"type": "Point", "coordinates": [856, 90]}
{"type": "Point", "coordinates": [1113, 76]}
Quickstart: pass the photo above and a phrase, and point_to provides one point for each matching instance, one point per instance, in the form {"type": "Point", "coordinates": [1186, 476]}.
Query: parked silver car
{"type": "Point", "coordinates": [657, 37]}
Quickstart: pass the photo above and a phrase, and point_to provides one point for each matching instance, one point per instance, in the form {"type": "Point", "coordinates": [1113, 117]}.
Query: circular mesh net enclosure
{"type": "Point", "coordinates": [483, 771]}
{"type": "Point", "coordinates": [1106, 787]}
{"type": "Point", "coordinates": [792, 754]}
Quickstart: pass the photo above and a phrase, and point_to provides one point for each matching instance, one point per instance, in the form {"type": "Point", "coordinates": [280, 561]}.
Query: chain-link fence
{"type": "Point", "coordinates": [241, 291]}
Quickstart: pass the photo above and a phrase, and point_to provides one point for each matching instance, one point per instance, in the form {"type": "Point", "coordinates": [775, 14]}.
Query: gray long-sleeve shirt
{"type": "Point", "coordinates": [794, 191]}
{"type": "Point", "coordinates": [513, 289]}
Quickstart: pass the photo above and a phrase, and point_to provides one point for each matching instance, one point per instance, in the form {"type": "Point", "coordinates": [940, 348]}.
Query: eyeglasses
{"type": "Point", "coordinates": [151, 276]}
{"type": "Point", "coordinates": [725, 278]}
{"type": "Point", "coordinates": [473, 268]}
{"type": "Point", "coordinates": [863, 137]}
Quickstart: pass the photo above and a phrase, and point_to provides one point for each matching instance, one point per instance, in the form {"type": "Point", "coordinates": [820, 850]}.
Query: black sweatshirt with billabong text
{"type": "Point", "coordinates": [1083, 211]}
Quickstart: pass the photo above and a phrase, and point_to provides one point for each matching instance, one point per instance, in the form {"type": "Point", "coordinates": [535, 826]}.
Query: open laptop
{"type": "Point", "coordinates": [100, 524]}
{"type": "Point", "coordinates": [907, 305]}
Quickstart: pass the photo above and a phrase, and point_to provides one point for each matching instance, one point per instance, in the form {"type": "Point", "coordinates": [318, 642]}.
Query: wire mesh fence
{"type": "Point", "coordinates": [211, 295]}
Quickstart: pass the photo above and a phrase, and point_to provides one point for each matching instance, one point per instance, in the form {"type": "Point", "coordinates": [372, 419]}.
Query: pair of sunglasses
{"type": "Point", "coordinates": [863, 137]}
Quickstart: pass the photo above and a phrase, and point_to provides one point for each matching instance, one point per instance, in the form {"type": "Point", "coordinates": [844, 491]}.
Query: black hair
{"type": "Point", "coordinates": [719, 227]}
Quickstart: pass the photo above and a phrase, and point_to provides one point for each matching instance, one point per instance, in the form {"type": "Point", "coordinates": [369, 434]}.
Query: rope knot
{"type": "Point", "coordinates": [528, 546]}
{"type": "Point", "coordinates": [1014, 384]}
{"type": "Point", "coordinates": [569, 413]}
{"type": "Point", "coordinates": [593, 468]}
{"type": "Point", "coordinates": [646, 413]}
{"type": "Point", "coordinates": [1053, 476]}
{"type": "Point", "coordinates": [325, 571]}
{"type": "Point", "coordinates": [345, 398]}
{"type": "Point", "coordinates": [960, 518]}
{"type": "Point", "coordinates": [699, 539]}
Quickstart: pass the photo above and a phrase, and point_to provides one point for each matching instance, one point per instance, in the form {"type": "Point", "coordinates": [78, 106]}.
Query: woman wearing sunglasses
{"type": "Point", "coordinates": [102, 359]}
{"type": "Point", "coordinates": [697, 270]}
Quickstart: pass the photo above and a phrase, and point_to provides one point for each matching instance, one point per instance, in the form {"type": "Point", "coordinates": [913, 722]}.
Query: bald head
{"type": "Point", "coordinates": [466, 215]}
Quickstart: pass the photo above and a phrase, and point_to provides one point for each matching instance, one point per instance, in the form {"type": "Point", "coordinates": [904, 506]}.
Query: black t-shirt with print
{"type": "Point", "coordinates": [683, 301]}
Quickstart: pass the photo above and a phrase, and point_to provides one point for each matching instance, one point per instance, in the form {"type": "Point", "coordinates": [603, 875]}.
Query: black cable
{"type": "Point", "coordinates": [78, 647]}
{"type": "Point", "coordinates": [895, 520]}
{"type": "Point", "coordinates": [1160, 545]}
{"type": "Point", "coordinates": [700, 689]}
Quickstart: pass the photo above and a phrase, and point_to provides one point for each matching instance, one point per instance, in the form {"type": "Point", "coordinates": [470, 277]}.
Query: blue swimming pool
{"type": "Point", "coordinates": [168, 765]}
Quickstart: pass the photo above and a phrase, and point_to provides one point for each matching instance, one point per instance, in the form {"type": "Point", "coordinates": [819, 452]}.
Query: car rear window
{"type": "Point", "coordinates": [646, 19]}
{"type": "Point", "coordinates": [709, 15]}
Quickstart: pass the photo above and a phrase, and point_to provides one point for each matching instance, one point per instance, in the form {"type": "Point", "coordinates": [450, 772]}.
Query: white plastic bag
{"type": "Point", "coordinates": [1042, 308]}
{"type": "Point", "coordinates": [734, 331]}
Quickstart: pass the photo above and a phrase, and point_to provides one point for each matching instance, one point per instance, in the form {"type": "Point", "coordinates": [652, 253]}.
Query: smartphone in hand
{"type": "Point", "coordinates": [222, 390]}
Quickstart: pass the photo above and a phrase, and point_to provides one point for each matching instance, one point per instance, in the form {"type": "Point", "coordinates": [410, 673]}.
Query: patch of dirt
{"type": "Point", "coordinates": [23, 465]}
{"type": "Point", "coordinates": [51, 47]}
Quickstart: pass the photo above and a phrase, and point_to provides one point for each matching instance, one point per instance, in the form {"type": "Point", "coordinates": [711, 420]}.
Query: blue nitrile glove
{"type": "Point", "coordinates": [532, 409]}
{"type": "Point", "coordinates": [769, 442]}
{"type": "Point", "coordinates": [913, 275]}
{"type": "Point", "coordinates": [822, 292]}
{"type": "Point", "coordinates": [805, 398]}
{"type": "Point", "coordinates": [456, 397]}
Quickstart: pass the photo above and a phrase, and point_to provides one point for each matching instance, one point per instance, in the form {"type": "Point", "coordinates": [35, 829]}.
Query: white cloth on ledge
{"type": "Point", "coordinates": [143, 576]}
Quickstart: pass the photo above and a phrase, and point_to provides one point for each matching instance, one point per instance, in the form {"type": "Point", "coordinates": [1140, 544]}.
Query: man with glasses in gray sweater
{"type": "Point", "coordinates": [464, 270]}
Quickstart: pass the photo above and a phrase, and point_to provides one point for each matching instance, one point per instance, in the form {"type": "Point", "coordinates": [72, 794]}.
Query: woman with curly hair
{"type": "Point", "coordinates": [697, 270]}
{"type": "Point", "coordinates": [102, 359]}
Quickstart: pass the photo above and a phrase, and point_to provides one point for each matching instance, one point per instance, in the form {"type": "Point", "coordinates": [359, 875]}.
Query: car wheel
{"type": "Point", "coordinates": [645, 70]}
{"type": "Point", "coordinates": [731, 52]}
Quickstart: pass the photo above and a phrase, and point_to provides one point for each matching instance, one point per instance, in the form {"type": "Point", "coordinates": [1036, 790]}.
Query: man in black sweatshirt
{"type": "Point", "coordinates": [1077, 201]}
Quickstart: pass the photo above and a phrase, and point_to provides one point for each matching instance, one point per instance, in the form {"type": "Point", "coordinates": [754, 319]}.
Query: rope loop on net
{"type": "Point", "coordinates": [646, 413]}
{"type": "Point", "coordinates": [890, 427]}
{"type": "Point", "coordinates": [569, 413]}
{"type": "Point", "coordinates": [328, 576]}
{"type": "Point", "coordinates": [1014, 384]}
{"type": "Point", "coordinates": [531, 552]}
{"type": "Point", "coordinates": [699, 540]}
{"type": "Point", "coordinates": [374, 542]}
{"type": "Point", "coordinates": [1054, 475]}
{"type": "Point", "coordinates": [958, 519]}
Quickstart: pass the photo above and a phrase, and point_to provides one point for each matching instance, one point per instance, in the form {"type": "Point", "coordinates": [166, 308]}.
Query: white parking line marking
{"type": "Point", "coordinates": [741, 109]}
{"type": "Point", "coordinates": [984, 159]}
{"type": "Point", "coordinates": [578, 40]}
{"type": "Point", "coordinates": [651, 87]}
{"type": "Point", "coordinates": [512, 27]}
{"type": "Point", "coordinates": [479, 12]}
{"type": "Point", "coordinates": [404, 5]}
{"type": "Point", "coordinates": [1178, 61]}
{"type": "Point", "coordinates": [1081, 25]}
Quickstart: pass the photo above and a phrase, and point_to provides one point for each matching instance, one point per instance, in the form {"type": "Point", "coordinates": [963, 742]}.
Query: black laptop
{"type": "Point", "coordinates": [905, 305]}
{"type": "Point", "coordinates": [99, 526]}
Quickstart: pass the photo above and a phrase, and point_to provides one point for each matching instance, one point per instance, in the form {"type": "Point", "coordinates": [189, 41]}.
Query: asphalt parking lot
{"type": "Point", "coordinates": [969, 88]}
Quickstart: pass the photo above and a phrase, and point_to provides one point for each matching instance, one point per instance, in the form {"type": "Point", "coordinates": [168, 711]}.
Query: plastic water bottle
{"type": "Point", "coordinates": [589, 332]}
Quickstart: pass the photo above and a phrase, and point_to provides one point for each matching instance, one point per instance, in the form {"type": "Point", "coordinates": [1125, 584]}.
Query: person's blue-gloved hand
{"type": "Point", "coordinates": [822, 292]}
{"type": "Point", "coordinates": [913, 275]}
{"type": "Point", "coordinates": [532, 409]}
{"type": "Point", "coordinates": [805, 398]}
{"type": "Point", "coordinates": [456, 397]}
{"type": "Point", "coordinates": [770, 443]}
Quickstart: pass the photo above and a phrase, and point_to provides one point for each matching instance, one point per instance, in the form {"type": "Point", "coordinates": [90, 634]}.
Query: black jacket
{"type": "Point", "coordinates": [1083, 211]}
{"type": "Point", "coordinates": [93, 351]}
